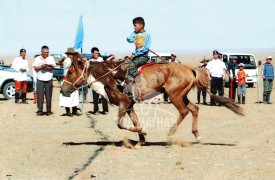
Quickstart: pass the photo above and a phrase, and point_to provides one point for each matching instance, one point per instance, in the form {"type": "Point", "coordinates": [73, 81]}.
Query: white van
{"type": "Point", "coordinates": [153, 57]}
{"type": "Point", "coordinates": [250, 65]}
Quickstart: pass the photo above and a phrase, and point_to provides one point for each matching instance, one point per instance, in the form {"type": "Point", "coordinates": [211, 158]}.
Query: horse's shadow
{"type": "Point", "coordinates": [121, 143]}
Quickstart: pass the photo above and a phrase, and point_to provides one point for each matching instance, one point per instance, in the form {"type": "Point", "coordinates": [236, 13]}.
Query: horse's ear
{"type": "Point", "coordinates": [80, 58]}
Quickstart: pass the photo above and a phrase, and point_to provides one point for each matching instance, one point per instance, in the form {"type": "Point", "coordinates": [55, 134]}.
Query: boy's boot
{"type": "Point", "coordinates": [243, 99]}
{"type": "Point", "coordinates": [24, 98]}
{"type": "Point", "coordinates": [264, 99]}
{"type": "Point", "coordinates": [268, 99]}
{"type": "Point", "coordinates": [239, 99]}
{"type": "Point", "coordinates": [17, 97]}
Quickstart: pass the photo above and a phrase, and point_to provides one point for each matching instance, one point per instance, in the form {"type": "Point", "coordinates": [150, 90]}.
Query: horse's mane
{"type": "Point", "coordinates": [98, 69]}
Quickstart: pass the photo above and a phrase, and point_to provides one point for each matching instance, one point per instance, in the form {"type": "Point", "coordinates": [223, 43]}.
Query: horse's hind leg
{"type": "Point", "coordinates": [182, 110]}
{"type": "Point", "coordinates": [194, 110]}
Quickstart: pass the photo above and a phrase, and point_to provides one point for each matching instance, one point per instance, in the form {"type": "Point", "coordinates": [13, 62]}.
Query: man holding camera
{"type": "Point", "coordinates": [44, 66]}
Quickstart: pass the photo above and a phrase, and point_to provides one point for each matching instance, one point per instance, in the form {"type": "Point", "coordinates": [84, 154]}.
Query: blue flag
{"type": "Point", "coordinates": [79, 35]}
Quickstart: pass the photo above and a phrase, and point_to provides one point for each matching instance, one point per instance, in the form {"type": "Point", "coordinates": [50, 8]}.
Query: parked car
{"type": "Point", "coordinates": [153, 57]}
{"type": "Point", "coordinates": [7, 85]}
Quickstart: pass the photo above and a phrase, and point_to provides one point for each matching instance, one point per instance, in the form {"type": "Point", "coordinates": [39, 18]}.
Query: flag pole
{"type": "Point", "coordinates": [78, 44]}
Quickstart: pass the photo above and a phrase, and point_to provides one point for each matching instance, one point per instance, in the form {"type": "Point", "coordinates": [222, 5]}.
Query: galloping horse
{"type": "Point", "coordinates": [176, 79]}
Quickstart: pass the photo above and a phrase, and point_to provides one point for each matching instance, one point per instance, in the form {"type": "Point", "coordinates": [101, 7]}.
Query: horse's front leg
{"type": "Point", "coordinates": [136, 123]}
{"type": "Point", "coordinates": [123, 108]}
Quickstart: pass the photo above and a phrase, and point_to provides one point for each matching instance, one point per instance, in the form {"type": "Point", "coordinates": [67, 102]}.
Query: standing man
{"type": "Point", "coordinates": [44, 65]}
{"type": "Point", "coordinates": [232, 81]}
{"type": "Point", "coordinates": [96, 58]}
{"type": "Point", "coordinates": [21, 64]}
{"type": "Point", "coordinates": [173, 58]}
{"type": "Point", "coordinates": [202, 68]}
{"type": "Point", "coordinates": [268, 76]}
{"type": "Point", "coordinates": [73, 100]}
{"type": "Point", "coordinates": [216, 73]}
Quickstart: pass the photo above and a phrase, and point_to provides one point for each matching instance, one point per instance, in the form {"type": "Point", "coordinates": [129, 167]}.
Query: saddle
{"type": "Point", "coordinates": [140, 69]}
{"type": "Point", "coordinates": [129, 87]}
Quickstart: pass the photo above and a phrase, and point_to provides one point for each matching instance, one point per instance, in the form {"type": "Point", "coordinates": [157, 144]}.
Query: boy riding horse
{"type": "Point", "coordinates": [142, 42]}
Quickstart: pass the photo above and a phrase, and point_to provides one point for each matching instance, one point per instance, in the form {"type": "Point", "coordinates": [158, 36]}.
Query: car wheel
{"type": "Point", "coordinates": [9, 90]}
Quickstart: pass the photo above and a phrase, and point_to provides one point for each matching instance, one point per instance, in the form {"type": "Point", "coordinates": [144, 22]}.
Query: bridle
{"type": "Point", "coordinates": [82, 76]}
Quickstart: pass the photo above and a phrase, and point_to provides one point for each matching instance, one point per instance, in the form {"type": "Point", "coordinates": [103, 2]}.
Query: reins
{"type": "Point", "coordinates": [86, 66]}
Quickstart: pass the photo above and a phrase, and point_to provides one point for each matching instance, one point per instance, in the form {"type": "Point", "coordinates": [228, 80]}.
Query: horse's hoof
{"type": "Point", "coordinates": [170, 140]}
{"type": "Point", "coordinates": [199, 139]}
{"type": "Point", "coordinates": [138, 145]}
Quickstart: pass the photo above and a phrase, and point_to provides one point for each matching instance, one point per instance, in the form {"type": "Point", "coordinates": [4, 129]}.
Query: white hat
{"type": "Point", "coordinates": [241, 64]}
{"type": "Point", "coordinates": [269, 57]}
{"type": "Point", "coordinates": [201, 64]}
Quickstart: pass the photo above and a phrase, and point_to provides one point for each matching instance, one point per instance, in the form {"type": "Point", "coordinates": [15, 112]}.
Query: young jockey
{"type": "Point", "coordinates": [142, 42]}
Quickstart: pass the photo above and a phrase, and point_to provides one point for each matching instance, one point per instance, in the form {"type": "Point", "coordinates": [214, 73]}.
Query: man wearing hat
{"type": "Point", "coordinates": [44, 66]}
{"type": "Point", "coordinates": [268, 76]}
{"type": "Point", "coordinates": [21, 64]}
{"type": "Point", "coordinates": [216, 73]}
{"type": "Point", "coordinates": [73, 100]}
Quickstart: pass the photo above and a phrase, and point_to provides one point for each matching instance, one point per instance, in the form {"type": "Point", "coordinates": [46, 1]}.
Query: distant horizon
{"type": "Point", "coordinates": [239, 50]}
{"type": "Point", "coordinates": [183, 55]}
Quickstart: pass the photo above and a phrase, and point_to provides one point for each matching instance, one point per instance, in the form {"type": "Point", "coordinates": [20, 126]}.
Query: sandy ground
{"type": "Point", "coordinates": [90, 146]}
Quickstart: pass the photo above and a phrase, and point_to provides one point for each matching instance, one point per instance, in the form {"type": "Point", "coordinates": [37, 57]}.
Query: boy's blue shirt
{"type": "Point", "coordinates": [142, 41]}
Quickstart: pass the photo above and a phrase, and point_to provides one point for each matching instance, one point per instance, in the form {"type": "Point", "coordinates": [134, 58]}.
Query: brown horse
{"type": "Point", "coordinates": [176, 79]}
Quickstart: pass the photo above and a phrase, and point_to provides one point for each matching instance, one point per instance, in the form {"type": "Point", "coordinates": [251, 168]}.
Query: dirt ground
{"type": "Point", "coordinates": [89, 146]}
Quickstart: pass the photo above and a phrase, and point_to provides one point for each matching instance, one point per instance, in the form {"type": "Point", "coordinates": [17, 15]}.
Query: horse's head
{"type": "Point", "coordinates": [75, 76]}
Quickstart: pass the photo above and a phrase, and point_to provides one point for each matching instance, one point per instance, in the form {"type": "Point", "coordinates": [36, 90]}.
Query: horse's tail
{"type": "Point", "coordinates": [202, 82]}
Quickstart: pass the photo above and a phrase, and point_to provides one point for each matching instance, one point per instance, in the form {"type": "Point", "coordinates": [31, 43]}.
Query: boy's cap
{"type": "Point", "coordinates": [269, 57]}
{"type": "Point", "coordinates": [173, 55]}
{"type": "Point", "coordinates": [22, 50]}
{"type": "Point", "coordinates": [241, 64]}
{"type": "Point", "coordinates": [215, 52]}
{"type": "Point", "coordinates": [201, 64]}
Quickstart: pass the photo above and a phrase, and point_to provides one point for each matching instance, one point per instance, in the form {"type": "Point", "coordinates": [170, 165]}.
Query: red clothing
{"type": "Point", "coordinates": [241, 77]}
{"type": "Point", "coordinates": [21, 85]}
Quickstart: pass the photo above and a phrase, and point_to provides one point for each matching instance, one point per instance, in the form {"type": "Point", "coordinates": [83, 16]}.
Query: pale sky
{"type": "Point", "coordinates": [174, 25]}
